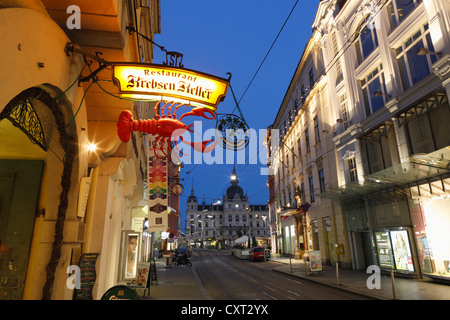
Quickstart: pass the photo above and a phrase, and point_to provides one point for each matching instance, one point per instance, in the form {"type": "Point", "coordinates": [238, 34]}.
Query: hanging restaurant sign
{"type": "Point", "coordinates": [158, 82]}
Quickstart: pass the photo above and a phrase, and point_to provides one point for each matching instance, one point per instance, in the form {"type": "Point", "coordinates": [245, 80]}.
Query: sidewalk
{"type": "Point", "coordinates": [355, 281]}
{"type": "Point", "coordinates": [174, 282]}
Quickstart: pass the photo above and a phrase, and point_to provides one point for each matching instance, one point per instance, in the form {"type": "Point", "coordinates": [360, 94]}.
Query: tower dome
{"type": "Point", "coordinates": [235, 189]}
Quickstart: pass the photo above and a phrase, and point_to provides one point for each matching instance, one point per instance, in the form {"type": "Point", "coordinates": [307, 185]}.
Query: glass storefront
{"type": "Point", "coordinates": [432, 222]}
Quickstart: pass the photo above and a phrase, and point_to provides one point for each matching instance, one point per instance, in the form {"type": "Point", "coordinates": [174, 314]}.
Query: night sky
{"type": "Point", "coordinates": [234, 36]}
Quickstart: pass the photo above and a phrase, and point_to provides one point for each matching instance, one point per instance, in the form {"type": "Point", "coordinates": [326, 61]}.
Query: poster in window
{"type": "Point", "coordinates": [130, 254]}
{"type": "Point", "coordinates": [402, 250]}
{"type": "Point", "coordinates": [384, 249]}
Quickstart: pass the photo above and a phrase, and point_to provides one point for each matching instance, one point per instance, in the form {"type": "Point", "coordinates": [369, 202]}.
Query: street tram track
{"type": "Point", "coordinates": [217, 290]}
{"type": "Point", "coordinates": [266, 283]}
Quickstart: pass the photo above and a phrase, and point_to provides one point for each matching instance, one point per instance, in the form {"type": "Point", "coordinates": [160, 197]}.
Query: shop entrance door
{"type": "Point", "coordinates": [367, 249]}
{"type": "Point", "coordinates": [20, 182]}
{"type": "Point", "coordinates": [362, 250]}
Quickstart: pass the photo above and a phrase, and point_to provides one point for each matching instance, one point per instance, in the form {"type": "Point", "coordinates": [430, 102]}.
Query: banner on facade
{"type": "Point", "coordinates": [158, 195]}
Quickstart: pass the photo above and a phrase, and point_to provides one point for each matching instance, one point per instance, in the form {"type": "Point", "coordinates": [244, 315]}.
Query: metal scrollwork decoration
{"type": "Point", "coordinates": [174, 59]}
{"type": "Point", "coordinates": [235, 132]}
{"type": "Point", "coordinates": [24, 117]}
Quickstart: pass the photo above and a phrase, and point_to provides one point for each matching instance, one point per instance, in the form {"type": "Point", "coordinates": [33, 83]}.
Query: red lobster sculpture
{"type": "Point", "coordinates": [166, 128]}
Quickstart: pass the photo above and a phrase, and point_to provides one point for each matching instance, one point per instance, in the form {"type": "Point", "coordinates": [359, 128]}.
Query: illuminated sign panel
{"type": "Point", "coordinates": [157, 82]}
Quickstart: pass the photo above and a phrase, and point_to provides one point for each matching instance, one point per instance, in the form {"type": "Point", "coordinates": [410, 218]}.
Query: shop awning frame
{"type": "Point", "coordinates": [418, 169]}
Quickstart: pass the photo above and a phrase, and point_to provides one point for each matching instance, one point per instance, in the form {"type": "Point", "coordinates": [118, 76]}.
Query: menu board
{"type": "Point", "coordinates": [384, 249]}
{"type": "Point", "coordinates": [87, 276]}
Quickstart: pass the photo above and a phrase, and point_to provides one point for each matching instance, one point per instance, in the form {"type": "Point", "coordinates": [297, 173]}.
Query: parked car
{"type": "Point", "coordinates": [257, 253]}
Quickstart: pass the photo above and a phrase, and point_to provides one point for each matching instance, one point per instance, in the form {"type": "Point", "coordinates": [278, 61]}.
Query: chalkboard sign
{"type": "Point", "coordinates": [87, 276]}
{"type": "Point", "coordinates": [153, 276]}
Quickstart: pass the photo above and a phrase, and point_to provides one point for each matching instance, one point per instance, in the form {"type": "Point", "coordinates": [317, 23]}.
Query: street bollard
{"type": "Point", "coordinates": [393, 285]}
{"type": "Point", "coordinates": [337, 273]}
{"type": "Point", "coordinates": [290, 264]}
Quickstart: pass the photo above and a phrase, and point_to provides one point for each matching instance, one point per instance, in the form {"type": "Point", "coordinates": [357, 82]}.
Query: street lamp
{"type": "Point", "coordinates": [248, 209]}
{"type": "Point", "coordinates": [425, 51]}
{"type": "Point", "coordinates": [201, 221]}
{"type": "Point", "coordinates": [265, 227]}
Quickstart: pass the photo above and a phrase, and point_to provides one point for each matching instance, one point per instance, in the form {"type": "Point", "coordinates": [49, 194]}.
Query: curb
{"type": "Point", "coordinates": [335, 286]}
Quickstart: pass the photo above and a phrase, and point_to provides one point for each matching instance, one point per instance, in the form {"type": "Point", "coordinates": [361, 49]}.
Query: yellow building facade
{"type": "Point", "coordinates": [68, 185]}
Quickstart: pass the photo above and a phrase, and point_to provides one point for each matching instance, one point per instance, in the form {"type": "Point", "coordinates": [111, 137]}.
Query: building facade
{"type": "Point", "coordinates": [220, 223]}
{"type": "Point", "coordinates": [389, 87]}
{"type": "Point", "coordinates": [58, 102]}
{"type": "Point", "coordinates": [304, 165]}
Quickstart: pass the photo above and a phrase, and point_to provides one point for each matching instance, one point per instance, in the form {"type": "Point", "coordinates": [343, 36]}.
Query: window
{"type": "Point", "coordinates": [302, 192]}
{"type": "Point", "coordinates": [378, 148]}
{"type": "Point", "coordinates": [367, 41]}
{"type": "Point", "coordinates": [287, 159]}
{"type": "Point", "coordinates": [316, 129]}
{"type": "Point", "coordinates": [398, 10]}
{"type": "Point", "coordinates": [414, 67]}
{"type": "Point", "coordinates": [426, 124]}
{"type": "Point", "coordinates": [303, 97]}
{"type": "Point", "coordinates": [237, 218]}
{"type": "Point", "coordinates": [351, 167]}
{"type": "Point", "coordinates": [374, 91]}
{"type": "Point", "coordinates": [299, 149]}
{"type": "Point", "coordinates": [311, 188]}
{"type": "Point", "coordinates": [322, 180]}
{"type": "Point", "coordinates": [344, 111]}
{"type": "Point", "coordinates": [311, 78]}
{"type": "Point", "coordinates": [308, 148]}
{"type": "Point", "coordinates": [339, 75]}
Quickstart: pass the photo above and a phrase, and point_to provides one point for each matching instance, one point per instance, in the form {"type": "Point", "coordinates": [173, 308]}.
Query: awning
{"type": "Point", "coordinates": [406, 173]}
{"type": "Point", "coordinates": [354, 190]}
{"type": "Point", "coordinates": [419, 168]}
{"type": "Point", "coordinates": [242, 239]}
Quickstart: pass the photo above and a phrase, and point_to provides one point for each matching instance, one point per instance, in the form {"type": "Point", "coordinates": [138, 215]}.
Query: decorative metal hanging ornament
{"type": "Point", "coordinates": [235, 132]}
